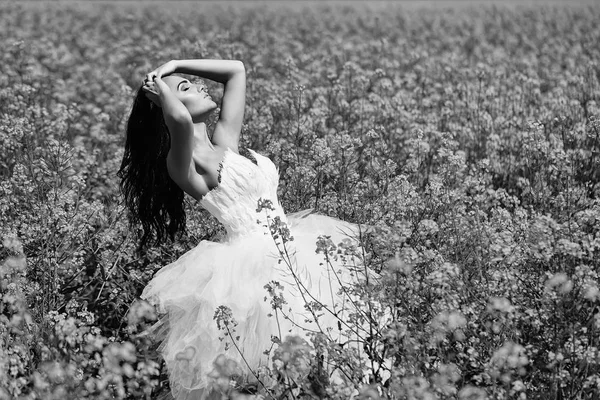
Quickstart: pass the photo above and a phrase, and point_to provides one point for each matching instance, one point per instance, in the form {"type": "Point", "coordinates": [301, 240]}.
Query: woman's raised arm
{"type": "Point", "coordinates": [232, 74]}
{"type": "Point", "coordinates": [179, 121]}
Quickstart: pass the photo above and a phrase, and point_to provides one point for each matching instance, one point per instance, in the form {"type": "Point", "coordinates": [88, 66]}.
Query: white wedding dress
{"type": "Point", "coordinates": [234, 272]}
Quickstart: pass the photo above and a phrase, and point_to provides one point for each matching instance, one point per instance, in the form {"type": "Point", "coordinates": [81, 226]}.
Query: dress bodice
{"type": "Point", "coordinates": [242, 184]}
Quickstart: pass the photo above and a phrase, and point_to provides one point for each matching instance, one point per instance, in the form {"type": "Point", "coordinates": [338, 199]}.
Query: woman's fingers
{"type": "Point", "coordinates": [163, 70]}
{"type": "Point", "coordinates": [150, 87]}
{"type": "Point", "coordinates": [156, 87]}
{"type": "Point", "coordinates": [150, 76]}
{"type": "Point", "coordinates": [154, 84]}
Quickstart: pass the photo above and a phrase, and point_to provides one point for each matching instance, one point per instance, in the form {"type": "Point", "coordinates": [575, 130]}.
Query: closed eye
{"type": "Point", "coordinates": [186, 87]}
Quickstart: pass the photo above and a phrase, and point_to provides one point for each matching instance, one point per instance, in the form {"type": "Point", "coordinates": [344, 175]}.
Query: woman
{"type": "Point", "coordinates": [255, 283]}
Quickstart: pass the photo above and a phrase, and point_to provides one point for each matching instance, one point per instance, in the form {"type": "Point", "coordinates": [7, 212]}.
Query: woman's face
{"type": "Point", "coordinates": [193, 96]}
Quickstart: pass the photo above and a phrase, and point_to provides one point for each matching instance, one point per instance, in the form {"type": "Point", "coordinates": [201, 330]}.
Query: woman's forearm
{"type": "Point", "coordinates": [215, 70]}
{"type": "Point", "coordinates": [173, 109]}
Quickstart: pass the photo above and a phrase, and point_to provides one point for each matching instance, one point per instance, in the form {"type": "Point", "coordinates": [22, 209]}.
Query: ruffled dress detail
{"type": "Point", "coordinates": [234, 272]}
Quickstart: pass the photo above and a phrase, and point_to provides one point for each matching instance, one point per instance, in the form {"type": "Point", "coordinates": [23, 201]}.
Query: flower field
{"type": "Point", "coordinates": [465, 140]}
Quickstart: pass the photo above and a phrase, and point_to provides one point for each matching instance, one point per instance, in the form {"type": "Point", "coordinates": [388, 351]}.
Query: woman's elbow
{"type": "Point", "coordinates": [238, 66]}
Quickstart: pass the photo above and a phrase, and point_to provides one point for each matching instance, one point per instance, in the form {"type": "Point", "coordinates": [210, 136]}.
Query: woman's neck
{"type": "Point", "coordinates": [201, 139]}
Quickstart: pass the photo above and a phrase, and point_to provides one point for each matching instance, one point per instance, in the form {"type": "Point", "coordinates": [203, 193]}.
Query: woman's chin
{"type": "Point", "coordinates": [208, 107]}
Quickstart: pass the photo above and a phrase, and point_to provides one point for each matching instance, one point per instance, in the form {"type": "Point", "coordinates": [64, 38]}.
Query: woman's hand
{"type": "Point", "coordinates": [156, 89]}
{"type": "Point", "coordinates": [152, 88]}
{"type": "Point", "coordinates": [173, 109]}
{"type": "Point", "coordinates": [166, 69]}
{"type": "Point", "coordinates": [152, 91]}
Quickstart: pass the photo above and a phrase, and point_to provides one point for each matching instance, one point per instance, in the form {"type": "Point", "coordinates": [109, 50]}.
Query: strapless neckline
{"type": "Point", "coordinates": [234, 202]}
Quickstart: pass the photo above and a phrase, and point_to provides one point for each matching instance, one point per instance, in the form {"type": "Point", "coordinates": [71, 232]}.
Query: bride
{"type": "Point", "coordinates": [272, 276]}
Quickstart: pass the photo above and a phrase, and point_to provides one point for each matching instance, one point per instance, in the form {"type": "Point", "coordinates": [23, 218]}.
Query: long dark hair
{"type": "Point", "coordinates": [152, 198]}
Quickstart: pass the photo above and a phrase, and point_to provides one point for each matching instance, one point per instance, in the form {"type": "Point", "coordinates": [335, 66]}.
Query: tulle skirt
{"type": "Point", "coordinates": [263, 286]}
